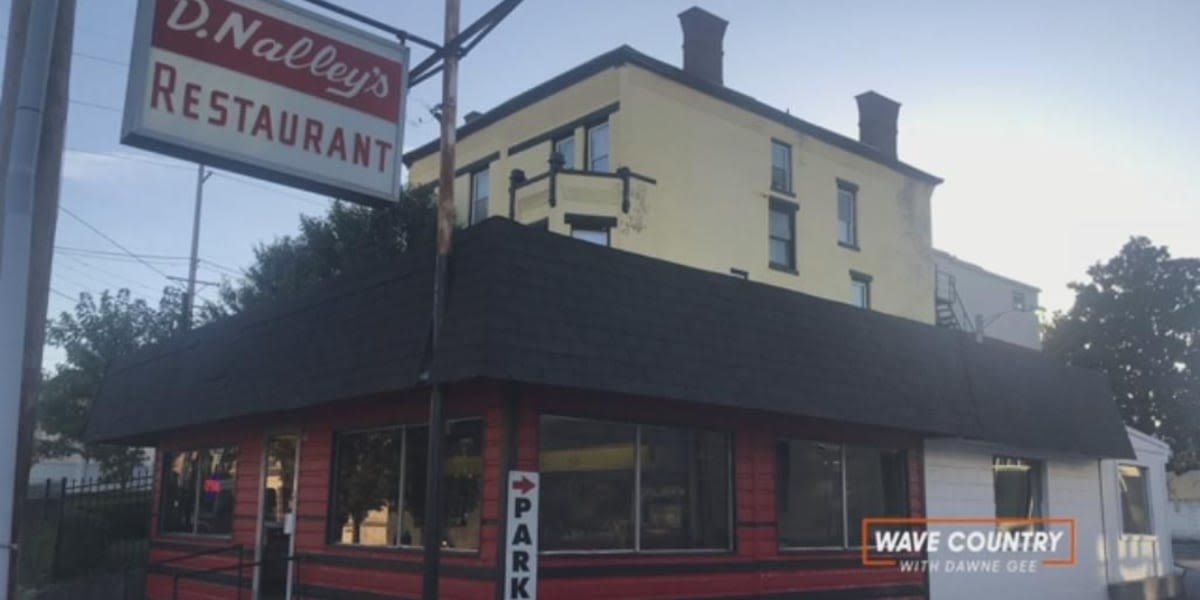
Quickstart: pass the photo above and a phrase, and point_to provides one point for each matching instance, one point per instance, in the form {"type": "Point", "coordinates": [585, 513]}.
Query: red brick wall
{"type": "Point", "coordinates": [755, 566]}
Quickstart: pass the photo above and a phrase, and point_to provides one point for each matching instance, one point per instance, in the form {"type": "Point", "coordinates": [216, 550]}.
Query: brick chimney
{"type": "Point", "coordinates": [703, 37]}
{"type": "Point", "coordinates": [877, 116]}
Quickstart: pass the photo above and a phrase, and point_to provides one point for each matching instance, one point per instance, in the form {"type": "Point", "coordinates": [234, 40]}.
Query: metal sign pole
{"type": "Point", "coordinates": [16, 263]}
{"type": "Point", "coordinates": [445, 225]}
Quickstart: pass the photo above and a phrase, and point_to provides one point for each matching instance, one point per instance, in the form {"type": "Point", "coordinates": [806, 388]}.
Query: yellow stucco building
{"type": "Point", "coordinates": [670, 163]}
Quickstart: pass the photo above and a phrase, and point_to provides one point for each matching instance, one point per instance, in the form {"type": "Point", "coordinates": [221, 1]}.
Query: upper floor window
{"type": "Point", "coordinates": [591, 228]}
{"type": "Point", "coordinates": [847, 200]}
{"type": "Point", "coordinates": [782, 235]}
{"type": "Point", "coordinates": [781, 167]}
{"type": "Point", "coordinates": [1019, 300]}
{"type": "Point", "coordinates": [480, 183]}
{"type": "Point", "coordinates": [198, 491]}
{"type": "Point", "coordinates": [378, 487]}
{"type": "Point", "coordinates": [566, 148]}
{"type": "Point", "coordinates": [1019, 489]}
{"type": "Point", "coordinates": [1135, 500]}
{"type": "Point", "coordinates": [597, 148]}
{"type": "Point", "coordinates": [860, 289]}
{"type": "Point", "coordinates": [824, 491]}
{"type": "Point", "coordinates": [621, 486]}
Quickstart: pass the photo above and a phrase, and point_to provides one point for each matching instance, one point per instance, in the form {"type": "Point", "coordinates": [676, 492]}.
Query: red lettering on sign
{"type": "Point", "coordinates": [253, 43]}
{"type": "Point", "coordinates": [164, 85]}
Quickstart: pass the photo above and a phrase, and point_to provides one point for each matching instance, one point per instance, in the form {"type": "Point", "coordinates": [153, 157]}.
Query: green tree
{"type": "Point", "coordinates": [1138, 319]}
{"type": "Point", "coordinates": [101, 331]}
{"type": "Point", "coordinates": [344, 239]}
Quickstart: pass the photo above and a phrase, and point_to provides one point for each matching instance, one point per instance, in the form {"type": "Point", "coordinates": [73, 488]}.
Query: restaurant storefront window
{"type": "Point", "coordinates": [378, 494]}
{"type": "Point", "coordinates": [198, 491]}
{"type": "Point", "coordinates": [610, 486]}
{"type": "Point", "coordinates": [825, 490]}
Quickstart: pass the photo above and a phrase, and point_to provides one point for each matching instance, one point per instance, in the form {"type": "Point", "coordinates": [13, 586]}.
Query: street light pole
{"type": "Point", "coordinates": [445, 237]}
{"type": "Point", "coordinates": [189, 299]}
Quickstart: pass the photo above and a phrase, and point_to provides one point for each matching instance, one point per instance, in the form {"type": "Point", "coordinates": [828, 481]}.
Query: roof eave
{"type": "Point", "coordinates": [627, 55]}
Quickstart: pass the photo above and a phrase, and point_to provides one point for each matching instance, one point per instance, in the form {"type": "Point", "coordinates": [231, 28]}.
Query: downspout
{"type": "Point", "coordinates": [1103, 522]}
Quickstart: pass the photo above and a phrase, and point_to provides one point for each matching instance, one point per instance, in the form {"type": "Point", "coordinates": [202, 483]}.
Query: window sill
{"type": "Point", "coordinates": [853, 247]}
{"type": "Point", "coordinates": [636, 553]}
{"type": "Point", "coordinates": [203, 537]}
{"type": "Point", "coordinates": [788, 193]}
{"type": "Point", "coordinates": [783, 268]}
{"type": "Point", "coordinates": [416, 550]}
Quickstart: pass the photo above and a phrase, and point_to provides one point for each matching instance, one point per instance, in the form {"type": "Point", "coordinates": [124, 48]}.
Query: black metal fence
{"type": "Point", "coordinates": [74, 529]}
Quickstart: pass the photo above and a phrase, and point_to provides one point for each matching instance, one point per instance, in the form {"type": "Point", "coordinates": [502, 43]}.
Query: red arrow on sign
{"type": "Point", "coordinates": [524, 485]}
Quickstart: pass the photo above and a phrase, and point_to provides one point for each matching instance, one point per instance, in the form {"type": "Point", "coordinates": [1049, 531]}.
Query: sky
{"type": "Point", "coordinates": [1061, 128]}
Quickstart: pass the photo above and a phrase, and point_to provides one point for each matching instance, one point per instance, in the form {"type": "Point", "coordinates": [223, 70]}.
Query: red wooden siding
{"type": "Point", "coordinates": [754, 566]}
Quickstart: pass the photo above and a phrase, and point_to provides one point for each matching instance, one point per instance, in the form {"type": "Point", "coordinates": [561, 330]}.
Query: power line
{"type": "Point", "coordinates": [281, 192]}
{"type": "Point", "coordinates": [63, 296]}
{"type": "Point", "coordinates": [96, 269]}
{"type": "Point", "coordinates": [103, 59]}
{"type": "Point", "coordinates": [96, 105]}
{"type": "Point", "coordinates": [221, 267]}
{"type": "Point", "coordinates": [68, 212]}
{"type": "Point", "coordinates": [118, 254]}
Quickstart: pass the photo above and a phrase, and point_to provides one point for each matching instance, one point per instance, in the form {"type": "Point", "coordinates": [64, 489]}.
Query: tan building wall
{"type": "Point", "coordinates": [708, 205]}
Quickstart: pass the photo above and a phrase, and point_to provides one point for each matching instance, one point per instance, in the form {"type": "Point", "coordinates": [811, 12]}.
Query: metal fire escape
{"type": "Point", "coordinates": [949, 309]}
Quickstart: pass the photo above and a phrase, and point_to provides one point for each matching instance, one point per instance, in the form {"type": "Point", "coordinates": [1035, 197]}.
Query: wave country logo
{"type": "Point", "coordinates": [969, 544]}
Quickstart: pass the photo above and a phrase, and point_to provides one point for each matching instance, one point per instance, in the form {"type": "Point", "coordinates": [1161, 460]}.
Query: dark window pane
{"type": "Point", "coordinates": [597, 139]}
{"type": "Point", "coordinates": [587, 470]}
{"type": "Point", "coordinates": [781, 253]}
{"type": "Point", "coordinates": [781, 167]}
{"type": "Point", "coordinates": [1018, 484]}
{"type": "Point", "coordinates": [479, 196]}
{"type": "Point", "coordinates": [685, 489]}
{"type": "Point", "coordinates": [464, 484]}
{"type": "Point", "coordinates": [809, 488]}
{"type": "Point", "coordinates": [847, 215]}
{"type": "Point", "coordinates": [179, 491]}
{"type": "Point", "coordinates": [1135, 500]}
{"type": "Point", "coordinates": [566, 147]}
{"type": "Point", "coordinates": [366, 488]}
{"type": "Point", "coordinates": [875, 487]}
{"type": "Point", "coordinates": [412, 520]}
{"type": "Point", "coordinates": [219, 478]}
{"type": "Point", "coordinates": [781, 224]}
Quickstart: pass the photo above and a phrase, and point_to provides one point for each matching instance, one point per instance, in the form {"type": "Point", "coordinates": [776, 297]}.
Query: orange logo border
{"type": "Point", "coordinates": [891, 562]}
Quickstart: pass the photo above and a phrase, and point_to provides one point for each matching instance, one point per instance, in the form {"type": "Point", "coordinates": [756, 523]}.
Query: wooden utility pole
{"type": "Point", "coordinates": [32, 132]}
{"type": "Point", "coordinates": [445, 243]}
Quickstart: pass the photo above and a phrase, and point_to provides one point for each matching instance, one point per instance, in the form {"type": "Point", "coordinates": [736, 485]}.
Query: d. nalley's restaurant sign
{"type": "Point", "coordinates": [267, 89]}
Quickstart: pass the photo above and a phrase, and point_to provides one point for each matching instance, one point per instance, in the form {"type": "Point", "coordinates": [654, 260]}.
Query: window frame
{"type": "Point", "coordinates": [568, 161]}
{"type": "Point", "coordinates": [588, 153]}
{"type": "Point", "coordinates": [472, 218]}
{"type": "Point", "coordinates": [1150, 516]}
{"type": "Point", "coordinates": [858, 278]}
{"type": "Point", "coordinates": [194, 533]}
{"type": "Point", "coordinates": [401, 480]}
{"type": "Point", "coordinates": [789, 171]}
{"type": "Point", "coordinates": [852, 189]}
{"type": "Point", "coordinates": [636, 516]}
{"type": "Point", "coordinates": [779, 205]}
{"type": "Point", "coordinates": [1020, 301]}
{"type": "Point", "coordinates": [846, 546]}
{"type": "Point", "coordinates": [581, 222]}
{"type": "Point", "coordinates": [1042, 487]}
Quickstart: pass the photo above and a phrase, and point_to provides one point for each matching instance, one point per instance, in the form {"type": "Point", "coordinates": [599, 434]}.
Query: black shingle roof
{"type": "Point", "coordinates": [535, 307]}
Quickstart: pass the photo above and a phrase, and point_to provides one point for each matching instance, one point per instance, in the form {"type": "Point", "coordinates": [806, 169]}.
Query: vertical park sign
{"type": "Point", "coordinates": [270, 90]}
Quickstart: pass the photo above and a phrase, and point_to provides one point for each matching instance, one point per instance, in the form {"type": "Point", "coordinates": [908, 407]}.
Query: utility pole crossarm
{"type": "Point", "coordinates": [464, 42]}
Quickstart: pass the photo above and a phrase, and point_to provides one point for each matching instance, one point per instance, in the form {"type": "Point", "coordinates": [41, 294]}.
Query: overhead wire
{"type": "Point", "coordinates": [115, 243]}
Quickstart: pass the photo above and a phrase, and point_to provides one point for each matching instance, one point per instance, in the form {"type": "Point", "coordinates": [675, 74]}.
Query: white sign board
{"type": "Point", "coordinates": [521, 549]}
{"type": "Point", "coordinates": [265, 88]}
